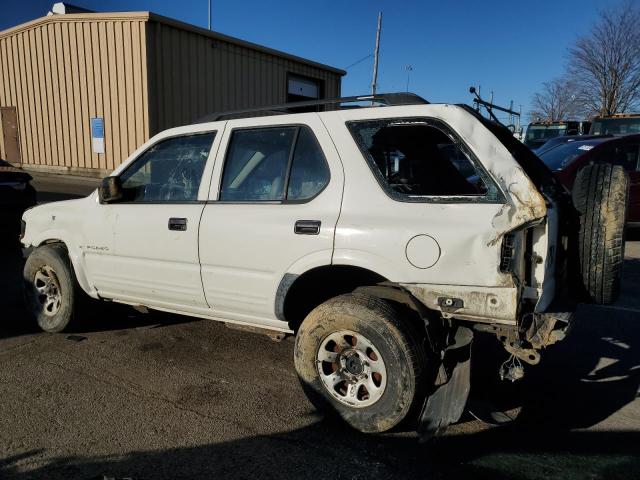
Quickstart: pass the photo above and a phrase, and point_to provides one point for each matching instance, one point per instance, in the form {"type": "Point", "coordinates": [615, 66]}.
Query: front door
{"type": "Point", "coordinates": [152, 258]}
{"type": "Point", "coordinates": [274, 203]}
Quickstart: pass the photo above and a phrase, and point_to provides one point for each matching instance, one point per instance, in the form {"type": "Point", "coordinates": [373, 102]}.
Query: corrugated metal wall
{"type": "Point", "coordinates": [192, 74]}
{"type": "Point", "coordinates": [61, 71]}
{"type": "Point", "coordinates": [141, 72]}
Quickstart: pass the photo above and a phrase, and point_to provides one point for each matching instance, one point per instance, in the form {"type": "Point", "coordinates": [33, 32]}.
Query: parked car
{"type": "Point", "coordinates": [540, 132]}
{"type": "Point", "coordinates": [555, 141]}
{"type": "Point", "coordinates": [618, 124]}
{"type": "Point", "coordinates": [16, 195]}
{"type": "Point", "coordinates": [354, 229]}
{"type": "Point", "coordinates": [566, 160]}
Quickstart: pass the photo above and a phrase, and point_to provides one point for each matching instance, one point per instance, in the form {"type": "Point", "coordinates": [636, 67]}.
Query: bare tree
{"type": "Point", "coordinates": [556, 101]}
{"type": "Point", "coordinates": [605, 64]}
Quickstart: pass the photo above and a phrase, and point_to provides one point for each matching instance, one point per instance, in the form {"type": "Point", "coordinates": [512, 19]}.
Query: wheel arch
{"type": "Point", "coordinates": [77, 262]}
{"type": "Point", "coordinates": [298, 294]}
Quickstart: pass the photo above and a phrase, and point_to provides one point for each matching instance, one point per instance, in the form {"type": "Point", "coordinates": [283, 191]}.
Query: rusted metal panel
{"type": "Point", "coordinates": [10, 134]}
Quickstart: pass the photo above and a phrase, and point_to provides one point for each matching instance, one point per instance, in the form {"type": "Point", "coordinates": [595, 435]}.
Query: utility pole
{"type": "Point", "coordinates": [374, 82]}
{"type": "Point", "coordinates": [209, 14]}
{"type": "Point", "coordinates": [409, 70]}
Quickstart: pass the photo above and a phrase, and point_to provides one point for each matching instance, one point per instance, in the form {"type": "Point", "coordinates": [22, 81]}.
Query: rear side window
{"type": "Point", "coordinates": [273, 164]}
{"type": "Point", "coordinates": [414, 158]}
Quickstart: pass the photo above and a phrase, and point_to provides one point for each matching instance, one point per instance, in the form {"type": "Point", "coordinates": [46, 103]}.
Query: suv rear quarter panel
{"type": "Point", "coordinates": [374, 231]}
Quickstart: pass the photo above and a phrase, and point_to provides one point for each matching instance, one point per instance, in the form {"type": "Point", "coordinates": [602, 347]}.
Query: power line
{"type": "Point", "coordinates": [359, 61]}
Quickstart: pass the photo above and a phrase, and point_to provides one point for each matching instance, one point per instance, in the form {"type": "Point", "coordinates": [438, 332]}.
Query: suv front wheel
{"type": "Point", "coordinates": [50, 287]}
{"type": "Point", "coordinates": [355, 356]}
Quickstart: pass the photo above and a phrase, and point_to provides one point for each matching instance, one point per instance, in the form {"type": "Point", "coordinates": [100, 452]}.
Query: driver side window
{"type": "Point", "coordinates": [170, 171]}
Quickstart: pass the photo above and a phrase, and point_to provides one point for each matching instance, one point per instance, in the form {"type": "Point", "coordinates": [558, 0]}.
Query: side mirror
{"type": "Point", "coordinates": [110, 190]}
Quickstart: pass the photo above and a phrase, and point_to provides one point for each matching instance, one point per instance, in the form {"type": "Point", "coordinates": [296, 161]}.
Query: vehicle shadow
{"type": "Point", "coordinates": [13, 318]}
{"type": "Point", "coordinates": [584, 379]}
{"type": "Point", "coordinates": [588, 377]}
{"type": "Point", "coordinates": [326, 450]}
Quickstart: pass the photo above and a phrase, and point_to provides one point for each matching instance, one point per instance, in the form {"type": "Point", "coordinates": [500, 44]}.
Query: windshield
{"type": "Point", "coordinates": [564, 154]}
{"type": "Point", "coordinates": [538, 132]}
{"type": "Point", "coordinates": [615, 126]}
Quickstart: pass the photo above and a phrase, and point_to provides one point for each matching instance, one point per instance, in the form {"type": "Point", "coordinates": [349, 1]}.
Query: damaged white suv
{"type": "Point", "coordinates": [385, 237]}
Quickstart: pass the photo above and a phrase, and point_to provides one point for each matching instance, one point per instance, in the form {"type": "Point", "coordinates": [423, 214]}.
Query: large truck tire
{"type": "Point", "coordinates": [600, 194]}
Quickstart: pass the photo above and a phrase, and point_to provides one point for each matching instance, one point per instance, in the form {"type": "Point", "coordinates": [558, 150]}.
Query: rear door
{"type": "Point", "coordinates": [273, 206]}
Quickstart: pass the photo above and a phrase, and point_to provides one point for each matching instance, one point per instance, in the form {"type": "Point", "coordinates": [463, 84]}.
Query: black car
{"type": "Point", "coordinates": [555, 141]}
{"type": "Point", "coordinates": [16, 195]}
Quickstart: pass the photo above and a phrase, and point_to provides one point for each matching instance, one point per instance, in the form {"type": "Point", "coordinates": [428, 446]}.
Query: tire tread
{"type": "Point", "coordinates": [600, 194]}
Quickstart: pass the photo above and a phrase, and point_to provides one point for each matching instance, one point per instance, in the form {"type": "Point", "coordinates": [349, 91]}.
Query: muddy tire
{"type": "Point", "coordinates": [357, 358]}
{"type": "Point", "coordinates": [50, 287]}
{"type": "Point", "coordinates": [600, 194]}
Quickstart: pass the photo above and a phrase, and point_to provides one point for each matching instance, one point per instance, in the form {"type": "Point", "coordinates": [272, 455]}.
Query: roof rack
{"type": "Point", "coordinates": [385, 99]}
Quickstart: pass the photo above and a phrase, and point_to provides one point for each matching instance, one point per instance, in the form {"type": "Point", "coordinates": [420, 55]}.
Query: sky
{"type": "Point", "coordinates": [506, 47]}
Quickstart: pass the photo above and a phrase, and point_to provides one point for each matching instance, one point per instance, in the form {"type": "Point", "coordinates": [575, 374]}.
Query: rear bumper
{"type": "Point", "coordinates": [553, 315]}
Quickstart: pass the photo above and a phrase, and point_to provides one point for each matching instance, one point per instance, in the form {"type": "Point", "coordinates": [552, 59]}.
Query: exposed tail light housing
{"type": "Point", "coordinates": [507, 252]}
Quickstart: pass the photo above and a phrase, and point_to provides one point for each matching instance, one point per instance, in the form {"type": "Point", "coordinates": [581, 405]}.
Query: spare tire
{"type": "Point", "coordinates": [600, 194]}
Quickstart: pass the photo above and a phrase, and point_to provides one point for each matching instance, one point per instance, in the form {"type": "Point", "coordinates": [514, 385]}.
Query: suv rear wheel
{"type": "Point", "coordinates": [50, 287]}
{"type": "Point", "coordinates": [356, 357]}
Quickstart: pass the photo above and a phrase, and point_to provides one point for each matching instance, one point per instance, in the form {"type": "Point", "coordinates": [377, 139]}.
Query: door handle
{"type": "Point", "coordinates": [307, 227]}
{"type": "Point", "coordinates": [179, 224]}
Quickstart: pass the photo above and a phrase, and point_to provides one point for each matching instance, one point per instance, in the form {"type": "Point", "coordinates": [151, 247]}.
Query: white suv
{"type": "Point", "coordinates": [384, 237]}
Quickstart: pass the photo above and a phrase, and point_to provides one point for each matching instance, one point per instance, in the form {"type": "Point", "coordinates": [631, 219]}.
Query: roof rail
{"type": "Point", "coordinates": [386, 99]}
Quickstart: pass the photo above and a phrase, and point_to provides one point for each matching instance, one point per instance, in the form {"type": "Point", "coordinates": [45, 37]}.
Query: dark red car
{"type": "Point", "coordinates": [566, 159]}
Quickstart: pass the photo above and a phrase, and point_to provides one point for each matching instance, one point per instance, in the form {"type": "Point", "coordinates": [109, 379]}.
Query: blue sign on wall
{"type": "Point", "coordinates": [97, 134]}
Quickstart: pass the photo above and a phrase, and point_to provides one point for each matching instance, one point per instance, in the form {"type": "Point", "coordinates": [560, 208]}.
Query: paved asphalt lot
{"type": "Point", "coordinates": [169, 397]}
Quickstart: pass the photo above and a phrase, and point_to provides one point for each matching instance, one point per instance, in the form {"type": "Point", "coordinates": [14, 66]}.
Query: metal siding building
{"type": "Point", "coordinates": [140, 72]}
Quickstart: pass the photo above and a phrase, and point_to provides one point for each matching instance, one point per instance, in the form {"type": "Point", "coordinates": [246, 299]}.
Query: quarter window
{"type": "Point", "coordinates": [170, 171]}
{"type": "Point", "coordinates": [309, 172]}
{"type": "Point", "coordinates": [273, 164]}
{"type": "Point", "coordinates": [413, 158]}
